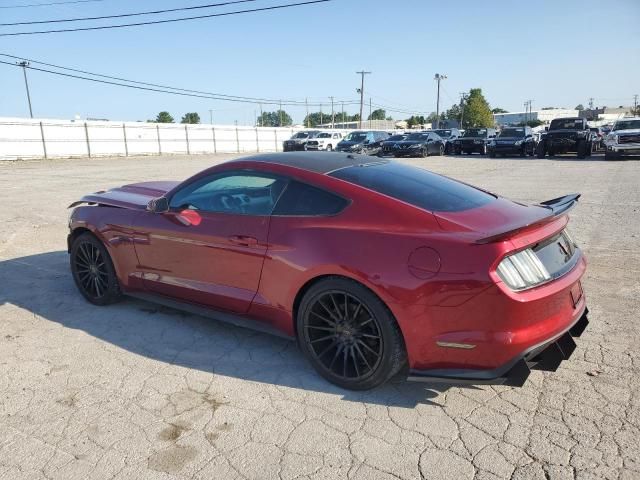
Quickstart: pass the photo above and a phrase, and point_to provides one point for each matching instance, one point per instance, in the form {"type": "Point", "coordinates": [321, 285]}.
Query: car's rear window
{"type": "Point", "coordinates": [416, 186]}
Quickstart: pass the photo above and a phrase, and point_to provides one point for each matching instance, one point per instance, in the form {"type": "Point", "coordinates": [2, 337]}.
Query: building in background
{"type": "Point", "coordinates": [514, 118]}
{"type": "Point", "coordinates": [366, 125]}
{"type": "Point", "coordinates": [606, 114]}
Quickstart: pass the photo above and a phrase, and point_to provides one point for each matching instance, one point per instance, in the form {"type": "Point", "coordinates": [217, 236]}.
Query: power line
{"type": "Point", "coordinates": [50, 3]}
{"type": "Point", "coordinates": [172, 20]}
{"type": "Point", "coordinates": [169, 90]}
{"type": "Point", "coordinates": [153, 12]}
{"type": "Point", "coordinates": [85, 72]}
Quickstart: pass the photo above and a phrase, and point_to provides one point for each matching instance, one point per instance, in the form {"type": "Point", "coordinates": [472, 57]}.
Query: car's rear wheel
{"type": "Point", "coordinates": [540, 151]}
{"type": "Point", "coordinates": [93, 271]}
{"type": "Point", "coordinates": [424, 152]}
{"type": "Point", "coordinates": [329, 148]}
{"type": "Point", "coordinates": [441, 150]}
{"type": "Point", "coordinates": [349, 335]}
{"type": "Point", "coordinates": [581, 149]}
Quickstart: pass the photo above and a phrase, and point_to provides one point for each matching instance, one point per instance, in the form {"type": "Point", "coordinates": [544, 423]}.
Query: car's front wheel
{"type": "Point", "coordinates": [349, 335]}
{"type": "Point", "coordinates": [441, 150]}
{"type": "Point", "coordinates": [541, 150]}
{"type": "Point", "coordinates": [93, 271]}
{"type": "Point", "coordinates": [329, 148]}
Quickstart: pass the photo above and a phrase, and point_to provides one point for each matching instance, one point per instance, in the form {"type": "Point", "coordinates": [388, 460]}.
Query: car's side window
{"type": "Point", "coordinates": [237, 193]}
{"type": "Point", "coordinates": [300, 199]}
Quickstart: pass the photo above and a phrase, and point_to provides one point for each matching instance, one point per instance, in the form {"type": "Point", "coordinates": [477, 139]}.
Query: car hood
{"type": "Point", "coordinates": [631, 131]}
{"type": "Point", "coordinates": [408, 143]}
{"type": "Point", "coordinates": [134, 195]}
{"type": "Point", "coordinates": [496, 217]}
{"type": "Point", "coordinates": [347, 143]}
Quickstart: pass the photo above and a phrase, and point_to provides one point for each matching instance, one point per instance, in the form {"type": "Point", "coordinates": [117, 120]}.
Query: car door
{"type": "Point", "coordinates": [432, 146]}
{"type": "Point", "coordinates": [209, 247]}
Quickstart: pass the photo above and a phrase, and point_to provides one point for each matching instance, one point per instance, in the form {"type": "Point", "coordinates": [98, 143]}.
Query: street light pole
{"type": "Point", "coordinates": [333, 116]}
{"type": "Point", "coordinates": [24, 65]}
{"type": "Point", "coordinates": [463, 101]}
{"type": "Point", "coordinates": [362, 74]}
{"type": "Point", "coordinates": [437, 78]}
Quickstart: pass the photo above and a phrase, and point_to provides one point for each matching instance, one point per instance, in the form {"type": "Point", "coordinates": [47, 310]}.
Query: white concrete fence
{"type": "Point", "coordinates": [46, 138]}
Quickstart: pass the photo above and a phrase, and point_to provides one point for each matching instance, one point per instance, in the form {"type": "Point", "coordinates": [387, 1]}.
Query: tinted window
{"type": "Point", "coordinates": [415, 186]}
{"type": "Point", "coordinates": [566, 124]}
{"type": "Point", "coordinates": [305, 200]}
{"type": "Point", "coordinates": [236, 193]}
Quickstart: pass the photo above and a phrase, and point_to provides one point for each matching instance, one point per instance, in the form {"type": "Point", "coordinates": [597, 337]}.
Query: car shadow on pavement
{"type": "Point", "coordinates": [42, 284]}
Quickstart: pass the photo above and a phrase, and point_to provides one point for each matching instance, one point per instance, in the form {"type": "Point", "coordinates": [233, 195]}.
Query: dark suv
{"type": "Point", "coordinates": [513, 140]}
{"type": "Point", "coordinates": [367, 142]}
{"type": "Point", "coordinates": [566, 135]}
{"type": "Point", "coordinates": [388, 144]}
{"type": "Point", "coordinates": [474, 140]}
{"type": "Point", "coordinates": [449, 135]}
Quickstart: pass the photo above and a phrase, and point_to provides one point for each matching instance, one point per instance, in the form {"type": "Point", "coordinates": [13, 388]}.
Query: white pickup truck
{"type": "Point", "coordinates": [623, 139]}
{"type": "Point", "coordinates": [324, 141]}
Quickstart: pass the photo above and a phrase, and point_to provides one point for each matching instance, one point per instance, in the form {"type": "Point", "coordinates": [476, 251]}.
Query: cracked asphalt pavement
{"type": "Point", "coordinates": [137, 391]}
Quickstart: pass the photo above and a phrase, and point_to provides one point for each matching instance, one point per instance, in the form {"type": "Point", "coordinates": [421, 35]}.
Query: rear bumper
{"type": "Point", "coordinates": [546, 356]}
{"type": "Point", "coordinates": [505, 149]}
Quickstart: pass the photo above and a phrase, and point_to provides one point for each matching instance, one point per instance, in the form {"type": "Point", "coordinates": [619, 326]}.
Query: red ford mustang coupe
{"type": "Point", "coordinates": [372, 265]}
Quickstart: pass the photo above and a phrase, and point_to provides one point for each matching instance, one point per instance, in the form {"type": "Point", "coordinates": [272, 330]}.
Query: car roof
{"type": "Point", "coordinates": [318, 162]}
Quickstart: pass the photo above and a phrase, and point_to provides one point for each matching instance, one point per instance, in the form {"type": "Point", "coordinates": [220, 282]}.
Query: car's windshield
{"type": "Point", "coordinates": [512, 132]}
{"type": "Point", "coordinates": [566, 124]}
{"type": "Point", "coordinates": [476, 132]}
{"type": "Point", "coordinates": [443, 133]}
{"type": "Point", "coordinates": [395, 138]}
{"type": "Point", "coordinates": [415, 186]}
{"type": "Point", "coordinates": [300, 135]}
{"type": "Point", "coordinates": [324, 135]}
{"type": "Point", "coordinates": [627, 125]}
{"type": "Point", "coordinates": [356, 137]}
{"type": "Point", "coordinates": [418, 136]}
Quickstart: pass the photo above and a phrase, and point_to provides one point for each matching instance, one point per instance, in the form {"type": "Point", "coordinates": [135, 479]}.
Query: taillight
{"type": "Point", "coordinates": [522, 270]}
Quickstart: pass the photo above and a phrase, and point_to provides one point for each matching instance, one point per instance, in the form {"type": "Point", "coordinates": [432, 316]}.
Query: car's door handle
{"type": "Point", "coordinates": [243, 240]}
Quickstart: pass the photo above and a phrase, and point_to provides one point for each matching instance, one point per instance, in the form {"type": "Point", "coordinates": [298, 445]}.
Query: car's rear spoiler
{"type": "Point", "coordinates": [557, 207]}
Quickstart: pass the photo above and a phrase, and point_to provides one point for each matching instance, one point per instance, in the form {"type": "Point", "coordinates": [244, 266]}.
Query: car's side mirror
{"type": "Point", "coordinates": [158, 205]}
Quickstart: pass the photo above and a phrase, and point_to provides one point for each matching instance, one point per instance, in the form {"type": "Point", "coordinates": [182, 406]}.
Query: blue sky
{"type": "Point", "coordinates": [558, 53]}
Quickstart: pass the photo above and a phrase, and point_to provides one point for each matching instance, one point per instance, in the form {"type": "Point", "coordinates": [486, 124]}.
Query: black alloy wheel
{"type": "Point", "coordinates": [348, 335]}
{"type": "Point", "coordinates": [93, 270]}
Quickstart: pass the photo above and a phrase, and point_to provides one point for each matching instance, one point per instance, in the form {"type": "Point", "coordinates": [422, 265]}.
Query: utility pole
{"type": "Point", "coordinates": [370, 113]}
{"type": "Point", "coordinates": [463, 102]}
{"type": "Point", "coordinates": [321, 119]}
{"type": "Point", "coordinates": [280, 113]}
{"type": "Point", "coordinates": [24, 65]}
{"type": "Point", "coordinates": [343, 115]}
{"type": "Point", "coordinates": [333, 115]}
{"type": "Point", "coordinates": [437, 78]}
{"type": "Point", "coordinates": [261, 117]}
{"type": "Point", "coordinates": [306, 103]}
{"type": "Point", "coordinates": [361, 91]}
{"type": "Point", "coordinates": [210, 117]}
{"type": "Point", "coordinates": [591, 103]}
{"type": "Point", "coordinates": [635, 104]}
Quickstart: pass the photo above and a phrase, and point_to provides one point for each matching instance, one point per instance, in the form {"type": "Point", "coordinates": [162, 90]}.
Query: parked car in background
{"type": "Point", "coordinates": [367, 142]}
{"type": "Point", "coordinates": [299, 140]}
{"type": "Point", "coordinates": [474, 140]}
{"type": "Point", "coordinates": [624, 139]}
{"type": "Point", "coordinates": [419, 144]}
{"type": "Point", "coordinates": [597, 138]}
{"type": "Point", "coordinates": [513, 140]}
{"type": "Point", "coordinates": [566, 135]}
{"type": "Point", "coordinates": [387, 145]}
{"type": "Point", "coordinates": [324, 141]}
{"type": "Point", "coordinates": [448, 135]}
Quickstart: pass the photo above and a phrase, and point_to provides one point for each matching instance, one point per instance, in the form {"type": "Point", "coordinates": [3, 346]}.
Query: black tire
{"type": "Point", "coordinates": [523, 151]}
{"type": "Point", "coordinates": [610, 155]}
{"type": "Point", "coordinates": [492, 154]}
{"type": "Point", "coordinates": [581, 149]}
{"type": "Point", "coordinates": [532, 152]}
{"type": "Point", "coordinates": [483, 150]}
{"type": "Point", "coordinates": [441, 150]}
{"type": "Point", "coordinates": [424, 152]}
{"type": "Point", "coordinates": [447, 149]}
{"type": "Point", "coordinates": [340, 319]}
{"type": "Point", "coordinates": [540, 151]}
{"type": "Point", "coordinates": [329, 148]}
{"type": "Point", "coordinates": [93, 271]}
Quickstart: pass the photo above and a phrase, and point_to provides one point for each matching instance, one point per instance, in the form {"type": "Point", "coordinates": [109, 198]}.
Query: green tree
{"type": "Point", "coordinates": [318, 118]}
{"type": "Point", "coordinates": [378, 114]}
{"type": "Point", "coordinates": [279, 118]}
{"type": "Point", "coordinates": [415, 120]}
{"type": "Point", "coordinates": [477, 112]}
{"type": "Point", "coordinates": [164, 117]}
{"type": "Point", "coordinates": [498, 110]}
{"type": "Point", "coordinates": [531, 123]}
{"type": "Point", "coordinates": [579, 107]}
{"type": "Point", "coordinates": [191, 117]}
